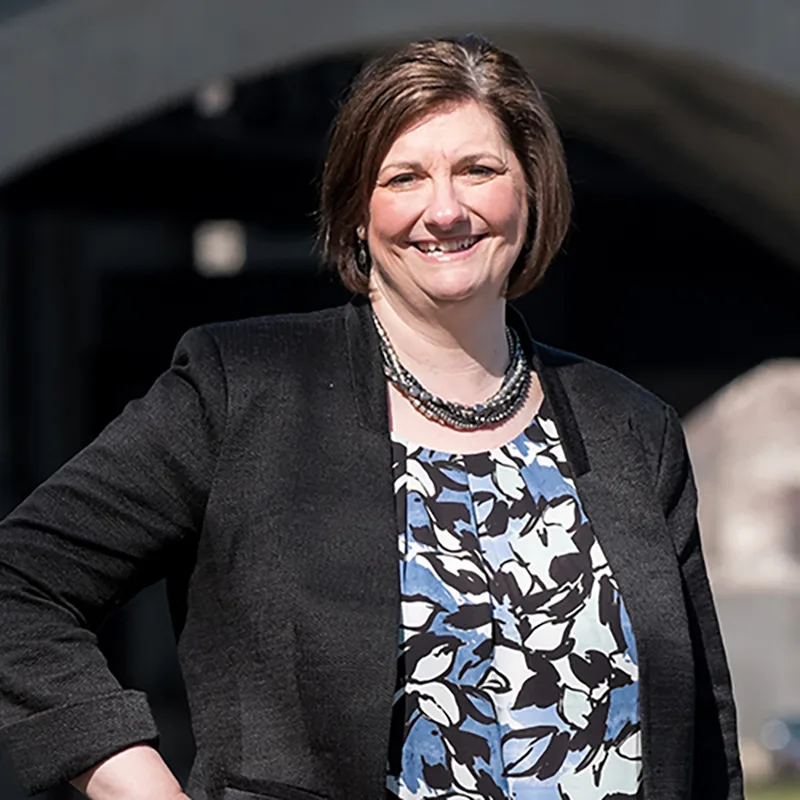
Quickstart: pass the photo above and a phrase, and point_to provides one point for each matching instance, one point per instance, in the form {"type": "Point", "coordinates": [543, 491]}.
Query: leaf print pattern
{"type": "Point", "coordinates": [517, 666]}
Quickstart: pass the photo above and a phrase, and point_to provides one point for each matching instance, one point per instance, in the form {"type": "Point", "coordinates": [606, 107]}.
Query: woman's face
{"type": "Point", "coordinates": [448, 214]}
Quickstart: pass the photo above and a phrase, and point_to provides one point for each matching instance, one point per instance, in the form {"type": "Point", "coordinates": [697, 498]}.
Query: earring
{"type": "Point", "coordinates": [362, 256]}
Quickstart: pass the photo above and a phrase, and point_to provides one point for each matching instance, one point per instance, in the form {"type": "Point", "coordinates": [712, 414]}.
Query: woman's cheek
{"type": "Point", "coordinates": [393, 217]}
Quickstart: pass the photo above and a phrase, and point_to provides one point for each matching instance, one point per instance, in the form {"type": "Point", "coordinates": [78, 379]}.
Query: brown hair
{"type": "Point", "coordinates": [394, 91]}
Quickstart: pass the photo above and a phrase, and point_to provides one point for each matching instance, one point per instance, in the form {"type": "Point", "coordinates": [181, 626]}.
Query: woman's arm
{"type": "Point", "coordinates": [717, 773]}
{"type": "Point", "coordinates": [110, 521]}
{"type": "Point", "coordinates": [137, 773]}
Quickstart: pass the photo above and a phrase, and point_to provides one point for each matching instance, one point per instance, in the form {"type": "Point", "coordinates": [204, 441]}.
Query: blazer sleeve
{"type": "Point", "coordinates": [717, 773]}
{"type": "Point", "coordinates": [105, 525]}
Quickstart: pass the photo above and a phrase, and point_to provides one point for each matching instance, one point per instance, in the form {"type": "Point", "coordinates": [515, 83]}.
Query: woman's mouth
{"type": "Point", "coordinates": [447, 246]}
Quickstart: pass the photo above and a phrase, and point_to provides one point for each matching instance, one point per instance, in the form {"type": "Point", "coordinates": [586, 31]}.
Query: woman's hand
{"type": "Point", "coordinates": [137, 773]}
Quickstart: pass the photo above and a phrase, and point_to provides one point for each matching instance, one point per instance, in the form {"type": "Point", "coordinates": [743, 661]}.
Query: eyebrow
{"type": "Point", "coordinates": [471, 158]}
{"type": "Point", "coordinates": [402, 165]}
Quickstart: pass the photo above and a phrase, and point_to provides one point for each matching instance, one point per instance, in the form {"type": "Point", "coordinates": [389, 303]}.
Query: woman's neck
{"type": "Point", "coordinates": [457, 351]}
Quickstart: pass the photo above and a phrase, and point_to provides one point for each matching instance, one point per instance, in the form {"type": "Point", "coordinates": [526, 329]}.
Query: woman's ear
{"type": "Point", "coordinates": [361, 232]}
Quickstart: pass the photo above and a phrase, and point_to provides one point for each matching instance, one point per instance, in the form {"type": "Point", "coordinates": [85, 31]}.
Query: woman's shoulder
{"type": "Point", "coordinates": [603, 399]}
{"type": "Point", "coordinates": [244, 359]}
{"type": "Point", "coordinates": [277, 340]}
{"type": "Point", "coordinates": [272, 329]}
{"type": "Point", "coordinates": [601, 382]}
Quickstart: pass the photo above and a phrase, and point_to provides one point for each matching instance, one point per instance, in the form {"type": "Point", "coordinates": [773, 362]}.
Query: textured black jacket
{"type": "Point", "coordinates": [256, 475]}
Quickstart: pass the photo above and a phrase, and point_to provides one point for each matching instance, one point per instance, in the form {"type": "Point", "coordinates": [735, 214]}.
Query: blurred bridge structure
{"type": "Point", "coordinates": [705, 94]}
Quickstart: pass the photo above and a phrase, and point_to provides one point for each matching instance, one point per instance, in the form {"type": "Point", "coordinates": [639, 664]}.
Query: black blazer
{"type": "Point", "coordinates": [256, 475]}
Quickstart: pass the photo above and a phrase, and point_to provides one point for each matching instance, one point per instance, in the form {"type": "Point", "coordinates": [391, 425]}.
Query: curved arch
{"type": "Point", "coordinates": [723, 139]}
{"type": "Point", "coordinates": [705, 98]}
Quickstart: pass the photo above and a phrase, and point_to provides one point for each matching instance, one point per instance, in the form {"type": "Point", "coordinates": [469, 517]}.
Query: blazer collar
{"type": "Point", "coordinates": [366, 369]}
{"type": "Point", "coordinates": [369, 383]}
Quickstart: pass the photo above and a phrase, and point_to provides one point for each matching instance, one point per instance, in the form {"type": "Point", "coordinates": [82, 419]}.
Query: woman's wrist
{"type": "Point", "coordinates": [136, 773]}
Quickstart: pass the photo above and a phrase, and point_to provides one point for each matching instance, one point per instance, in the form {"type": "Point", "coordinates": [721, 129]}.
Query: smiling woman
{"type": "Point", "coordinates": [450, 193]}
{"type": "Point", "coordinates": [445, 192]}
{"type": "Point", "coordinates": [420, 86]}
{"type": "Point", "coordinates": [412, 550]}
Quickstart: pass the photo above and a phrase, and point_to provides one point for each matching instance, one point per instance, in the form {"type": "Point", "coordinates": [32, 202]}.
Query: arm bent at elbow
{"type": "Point", "coordinates": [137, 773]}
{"type": "Point", "coordinates": [120, 515]}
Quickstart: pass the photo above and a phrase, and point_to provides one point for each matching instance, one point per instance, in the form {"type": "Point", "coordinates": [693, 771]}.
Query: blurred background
{"type": "Point", "coordinates": [158, 169]}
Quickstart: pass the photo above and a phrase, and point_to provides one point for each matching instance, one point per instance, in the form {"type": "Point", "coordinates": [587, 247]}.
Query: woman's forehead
{"type": "Point", "coordinates": [454, 130]}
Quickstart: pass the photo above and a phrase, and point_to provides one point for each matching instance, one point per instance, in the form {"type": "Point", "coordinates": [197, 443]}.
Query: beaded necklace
{"type": "Point", "coordinates": [506, 401]}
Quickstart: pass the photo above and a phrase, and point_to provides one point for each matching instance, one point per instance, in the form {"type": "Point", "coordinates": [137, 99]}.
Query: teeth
{"type": "Point", "coordinates": [448, 247]}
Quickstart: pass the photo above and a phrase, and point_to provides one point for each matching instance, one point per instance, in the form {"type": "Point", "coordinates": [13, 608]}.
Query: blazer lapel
{"type": "Point", "coordinates": [359, 750]}
{"type": "Point", "coordinates": [366, 367]}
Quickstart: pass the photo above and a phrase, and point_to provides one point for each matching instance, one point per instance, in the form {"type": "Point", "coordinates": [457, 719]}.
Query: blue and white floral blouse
{"type": "Point", "coordinates": [517, 670]}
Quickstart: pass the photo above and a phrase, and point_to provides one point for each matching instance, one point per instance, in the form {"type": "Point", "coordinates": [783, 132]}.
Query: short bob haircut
{"type": "Point", "coordinates": [396, 90]}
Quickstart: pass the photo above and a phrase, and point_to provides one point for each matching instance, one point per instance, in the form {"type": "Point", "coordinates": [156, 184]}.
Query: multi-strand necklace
{"type": "Point", "coordinates": [508, 399]}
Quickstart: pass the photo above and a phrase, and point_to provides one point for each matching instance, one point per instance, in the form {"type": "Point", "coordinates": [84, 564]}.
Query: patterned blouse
{"type": "Point", "coordinates": [517, 669]}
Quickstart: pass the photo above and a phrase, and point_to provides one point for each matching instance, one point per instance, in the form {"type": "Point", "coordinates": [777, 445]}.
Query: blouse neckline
{"type": "Point", "coordinates": [543, 411]}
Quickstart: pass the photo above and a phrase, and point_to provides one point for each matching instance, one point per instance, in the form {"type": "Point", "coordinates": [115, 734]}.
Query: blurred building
{"type": "Point", "coordinates": [745, 445]}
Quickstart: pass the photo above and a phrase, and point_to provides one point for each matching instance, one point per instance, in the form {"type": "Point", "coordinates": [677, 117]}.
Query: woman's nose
{"type": "Point", "coordinates": [445, 208]}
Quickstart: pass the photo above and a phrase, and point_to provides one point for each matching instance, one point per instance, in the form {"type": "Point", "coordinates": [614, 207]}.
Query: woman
{"type": "Point", "coordinates": [552, 632]}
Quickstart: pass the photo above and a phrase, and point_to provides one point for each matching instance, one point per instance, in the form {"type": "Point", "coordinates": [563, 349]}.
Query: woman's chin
{"type": "Point", "coordinates": [453, 290]}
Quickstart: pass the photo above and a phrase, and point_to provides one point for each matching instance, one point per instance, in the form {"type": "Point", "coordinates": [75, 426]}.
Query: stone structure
{"type": "Point", "coordinates": [745, 445]}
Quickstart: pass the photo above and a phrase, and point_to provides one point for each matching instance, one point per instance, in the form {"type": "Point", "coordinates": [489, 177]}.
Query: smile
{"type": "Point", "coordinates": [448, 246]}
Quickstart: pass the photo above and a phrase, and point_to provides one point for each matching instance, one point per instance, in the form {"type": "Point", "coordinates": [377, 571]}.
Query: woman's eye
{"type": "Point", "coordinates": [404, 179]}
{"type": "Point", "coordinates": [480, 171]}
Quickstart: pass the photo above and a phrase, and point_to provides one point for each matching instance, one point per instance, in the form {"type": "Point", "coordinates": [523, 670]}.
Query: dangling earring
{"type": "Point", "coordinates": [362, 256]}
